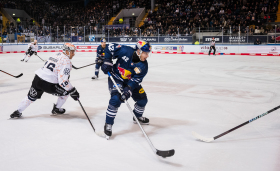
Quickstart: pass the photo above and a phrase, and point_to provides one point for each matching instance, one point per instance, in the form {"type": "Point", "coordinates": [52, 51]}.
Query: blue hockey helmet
{"type": "Point", "coordinates": [143, 46]}
{"type": "Point", "coordinates": [102, 40]}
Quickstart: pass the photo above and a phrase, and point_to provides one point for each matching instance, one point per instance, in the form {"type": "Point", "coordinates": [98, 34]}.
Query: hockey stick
{"type": "Point", "coordinates": [239, 126]}
{"type": "Point", "coordinates": [82, 66]}
{"type": "Point", "coordinates": [41, 58]}
{"type": "Point", "coordinates": [12, 75]}
{"type": "Point", "coordinates": [164, 154]}
{"type": "Point", "coordinates": [86, 115]}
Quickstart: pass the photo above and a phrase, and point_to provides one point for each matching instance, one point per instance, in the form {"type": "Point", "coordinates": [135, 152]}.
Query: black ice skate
{"type": "Point", "coordinates": [142, 121]}
{"type": "Point", "coordinates": [94, 77]}
{"type": "Point", "coordinates": [22, 60]}
{"type": "Point", "coordinates": [16, 114]}
{"type": "Point", "coordinates": [108, 130]}
{"type": "Point", "coordinates": [57, 110]}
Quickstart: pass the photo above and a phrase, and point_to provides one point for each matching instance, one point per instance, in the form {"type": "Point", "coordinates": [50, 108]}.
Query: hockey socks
{"type": "Point", "coordinates": [24, 104]}
{"type": "Point", "coordinates": [61, 100]}
{"type": "Point", "coordinates": [24, 57]}
{"type": "Point", "coordinates": [138, 110]}
{"type": "Point", "coordinates": [111, 114]}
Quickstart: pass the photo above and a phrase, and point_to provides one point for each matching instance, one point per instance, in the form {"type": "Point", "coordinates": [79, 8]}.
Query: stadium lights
{"type": "Point", "coordinates": [14, 14]}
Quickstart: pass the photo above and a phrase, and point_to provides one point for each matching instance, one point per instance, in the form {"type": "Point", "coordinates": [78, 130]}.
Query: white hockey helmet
{"type": "Point", "coordinates": [68, 47]}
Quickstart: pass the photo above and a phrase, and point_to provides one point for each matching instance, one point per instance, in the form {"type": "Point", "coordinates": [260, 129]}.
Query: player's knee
{"type": "Point", "coordinates": [115, 100]}
{"type": "Point", "coordinates": [33, 99]}
{"type": "Point", "coordinates": [142, 102]}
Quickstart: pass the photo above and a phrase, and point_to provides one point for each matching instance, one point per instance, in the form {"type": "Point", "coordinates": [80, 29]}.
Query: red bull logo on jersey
{"type": "Point", "coordinates": [126, 74]}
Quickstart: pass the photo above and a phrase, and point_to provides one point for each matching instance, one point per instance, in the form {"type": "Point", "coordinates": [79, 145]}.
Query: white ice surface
{"type": "Point", "coordinates": [186, 93]}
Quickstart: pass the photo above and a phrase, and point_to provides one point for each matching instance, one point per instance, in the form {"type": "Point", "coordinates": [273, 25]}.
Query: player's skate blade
{"type": "Point", "coordinates": [103, 135]}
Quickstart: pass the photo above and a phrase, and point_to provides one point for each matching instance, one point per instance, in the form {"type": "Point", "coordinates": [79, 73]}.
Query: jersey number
{"type": "Point", "coordinates": [51, 66]}
{"type": "Point", "coordinates": [64, 84]}
{"type": "Point", "coordinates": [111, 47]}
{"type": "Point", "coordinates": [125, 58]}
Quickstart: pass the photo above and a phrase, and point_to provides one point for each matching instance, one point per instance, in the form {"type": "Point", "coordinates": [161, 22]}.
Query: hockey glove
{"type": "Point", "coordinates": [126, 93]}
{"type": "Point", "coordinates": [107, 67]}
{"type": "Point", "coordinates": [29, 50]}
{"type": "Point", "coordinates": [98, 60]}
{"type": "Point", "coordinates": [74, 94]}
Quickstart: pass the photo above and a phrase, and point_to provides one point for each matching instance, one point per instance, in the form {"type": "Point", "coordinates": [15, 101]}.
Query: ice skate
{"type": "Point", "coordinates": [94, 77]}
{"type": "Point", "coordinates": [16, 114]}
{"type": "Point", "coordinates": [57, 110]}
{"type": "Point", "coordinates": [108, 130]}
{"type": "Point", "coordinates": [142, 120]}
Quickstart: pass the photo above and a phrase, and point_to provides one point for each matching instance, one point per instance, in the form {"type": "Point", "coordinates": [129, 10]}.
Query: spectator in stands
{"type": "Point", "coordinates": [257, 42]}
{"type": "Point", "coordinates": [272, 39]}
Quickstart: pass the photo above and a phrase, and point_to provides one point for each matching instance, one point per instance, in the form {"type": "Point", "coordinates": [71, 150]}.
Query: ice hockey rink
{"type": "Point", "coordinates": [206, 94]}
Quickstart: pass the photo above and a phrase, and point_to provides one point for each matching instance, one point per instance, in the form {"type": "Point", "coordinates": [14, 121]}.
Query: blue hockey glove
{"type": "Point", "coordinates": [126, 93]}
{"type": "Point", "coordinates": [107, 67]}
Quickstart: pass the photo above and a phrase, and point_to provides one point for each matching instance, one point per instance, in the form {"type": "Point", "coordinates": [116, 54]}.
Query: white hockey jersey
{"type": "Point", "coordinates": [57, 70]}
{"type": "Point", "coordinates": [33, 47]}
{"type": "Point", "coordinates": [212, 43]}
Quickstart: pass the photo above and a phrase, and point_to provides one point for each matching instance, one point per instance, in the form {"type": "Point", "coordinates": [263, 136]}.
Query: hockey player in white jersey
{"type": "Point", "coordinates": [212, 46]}
{"type": "Point", "coordinates": [32, 49]}
{"type": "Point", "coordinates": [52, 78]}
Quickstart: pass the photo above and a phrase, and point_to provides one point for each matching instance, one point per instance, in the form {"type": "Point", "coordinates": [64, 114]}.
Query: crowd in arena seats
{"type": "Point", "coordinates": [186, 15]}
{"type": "Point", "coordinates": [49, 13]}
{"type": "Point", "coordinates": [173, 17]}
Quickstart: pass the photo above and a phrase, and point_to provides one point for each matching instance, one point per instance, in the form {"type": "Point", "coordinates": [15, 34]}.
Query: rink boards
{"type": "Point", "coordinates": [259, 50]}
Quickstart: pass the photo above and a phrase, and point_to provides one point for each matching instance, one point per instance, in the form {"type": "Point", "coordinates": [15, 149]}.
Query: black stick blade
{"type": "Point", "coordinates": [19, 75]}
{"type": "Point", "coordinates": [74, 67]}
{"type": "Point", "coordinates": [164, 154]}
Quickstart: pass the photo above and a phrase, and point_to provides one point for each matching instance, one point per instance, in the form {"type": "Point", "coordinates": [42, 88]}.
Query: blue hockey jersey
{"type": "Point", "coordinates": [124, 69]}
{"type": "Point", "coordinates": [100, 52]}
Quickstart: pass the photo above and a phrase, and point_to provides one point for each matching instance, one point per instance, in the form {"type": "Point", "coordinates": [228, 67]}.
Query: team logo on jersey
{"type": "Point", "coordinates": [115, 88]}
{"type": "Point", "coordinates": [126, 74]}
{"type": "Point", "coordinates": [33, 92]}
{"type": "Point", "coordinates": [137, 70]}
{"type": "Point", "coordinates": [141, 91]}
{"type": "Point", "coordinates": [66, 71]}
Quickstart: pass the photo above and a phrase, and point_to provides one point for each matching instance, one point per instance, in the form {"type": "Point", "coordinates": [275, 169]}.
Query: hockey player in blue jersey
{"type": "Point", "coordinates": [100, 57]}
{"type": "Point", "coordinates": [128, 71]}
